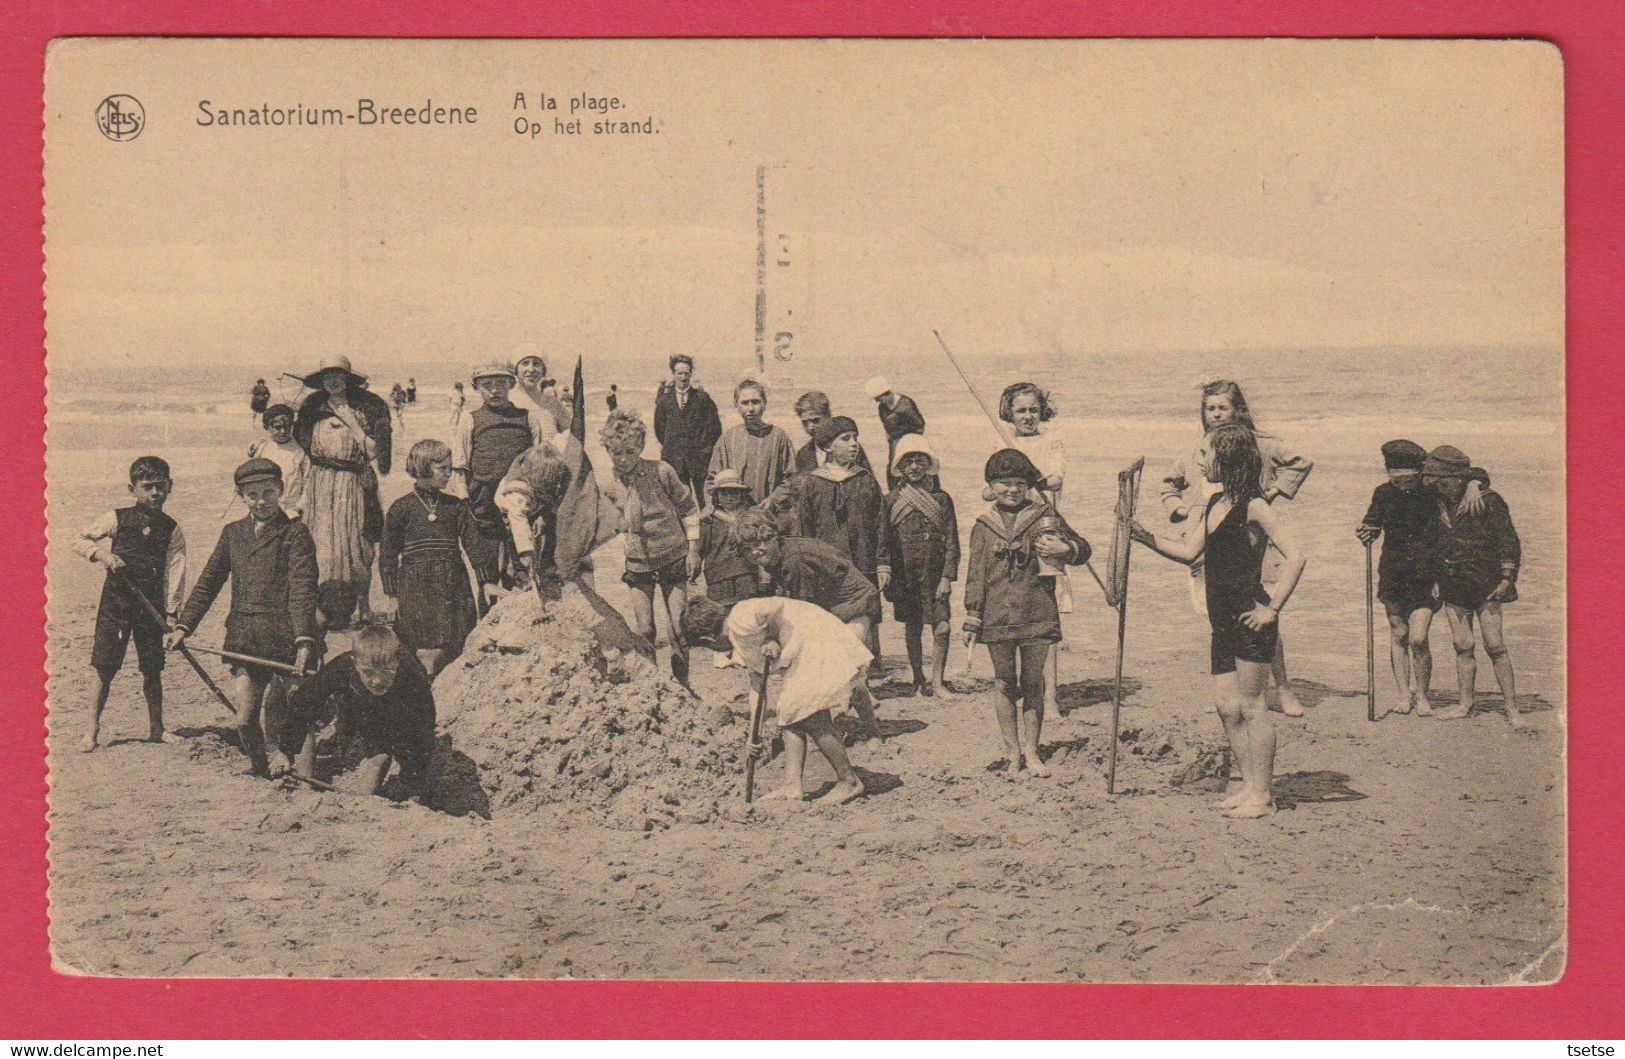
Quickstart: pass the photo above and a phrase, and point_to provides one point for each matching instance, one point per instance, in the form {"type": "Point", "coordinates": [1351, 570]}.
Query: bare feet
{"type": "Point", "coordinates": [160, 736]}
{"type": "Point", "coordinates": [1455, 713]}
{"type": "Point", "coordinates": [783, 794]}
{"type": "Point", "coordinates": [88, 744]}
{"type": "Point", "coordinates": [1513, 719]}
{"type": "Point", "coordinates": [841, 793]}
{"type": "Point", "coordinates": [1035, 764]}
{"type": "Point", "coordinates": [1229, 803]}
{"type": "Point", "coordinates": [1251, 808]}
{"type": "Point", "coordinates": [1290, 704]}
{"type": "Point", "coordinates": [1409, 705]}
{"type": "Point", "coordinates": [1424, 708]}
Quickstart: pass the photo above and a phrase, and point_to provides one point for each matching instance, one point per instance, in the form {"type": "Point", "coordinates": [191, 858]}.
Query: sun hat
{"type": "Point", "coordinates": [877, 386]}
{"type": "Point", "coordinates": [727, 478]}
{"type": "Point", "coordinates": [333, 362]}
{"type": "Point", "coordinates": [914, 444]}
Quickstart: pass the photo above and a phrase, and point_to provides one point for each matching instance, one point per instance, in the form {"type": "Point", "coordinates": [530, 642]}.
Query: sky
{"type": "Point", "coordinates": [1021, 196]}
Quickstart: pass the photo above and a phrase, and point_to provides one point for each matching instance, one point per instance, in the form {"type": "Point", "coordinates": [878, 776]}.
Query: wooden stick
{"type": "Point", "coordinates": [1370, 644]}
{"type": "Point", "coordinates": [250, 660]}
{"type": "Point", "coordinates": [757, 714]}
{"type": "Point", "coordinates": [197, 667]}
{"type": "Point", "coordinates": [1117, 681]}
{"type": "Point", "coordinates": [991, 418]}
{"type": "Point", "coordinates": [309, 781]}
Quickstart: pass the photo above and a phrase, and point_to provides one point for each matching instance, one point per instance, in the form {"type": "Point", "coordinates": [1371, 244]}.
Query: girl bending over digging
{"type": "Point", "coordinates": [823, 662]}
{"type": "Point", "coordinates": [1238, 525]}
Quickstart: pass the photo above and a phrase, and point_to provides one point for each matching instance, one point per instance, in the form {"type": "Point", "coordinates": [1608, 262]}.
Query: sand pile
{"type": "Point", "coordinates": [559, 706]}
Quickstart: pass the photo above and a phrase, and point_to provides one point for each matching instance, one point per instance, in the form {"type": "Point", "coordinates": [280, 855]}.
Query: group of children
{"type": "Point", "coordinates": [795, 565]}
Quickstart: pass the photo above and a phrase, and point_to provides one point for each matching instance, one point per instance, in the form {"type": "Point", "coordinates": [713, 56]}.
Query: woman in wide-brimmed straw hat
{"type": "Point", "coordinates": [346, 430]}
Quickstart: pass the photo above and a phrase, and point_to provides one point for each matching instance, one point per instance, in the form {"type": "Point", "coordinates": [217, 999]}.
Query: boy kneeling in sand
{"type": "Point", "coordinates": [382, 706]}
{"type": "Point", "coordinates": [823, 662]}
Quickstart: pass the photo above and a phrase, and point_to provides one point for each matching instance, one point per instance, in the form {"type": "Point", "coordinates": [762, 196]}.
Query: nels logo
{"type": "Point", "coordinates": [121, 117]}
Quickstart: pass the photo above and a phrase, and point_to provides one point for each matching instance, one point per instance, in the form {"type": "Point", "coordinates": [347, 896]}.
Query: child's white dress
{"type": "Point", "coordinates": [819, 654]}
{"type": "Point", "coordinates": [1048, 453]}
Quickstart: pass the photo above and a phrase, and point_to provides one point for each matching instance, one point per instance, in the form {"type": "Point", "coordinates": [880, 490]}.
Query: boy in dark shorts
{"type": "Point", "coordinates": [144, 552]}
{"type": "Point", "coordinates": [1479, 555]}
{"type": "Point", "coordinates": [380, 702]}
{"type": "Point", "coordinates": [661, 524]}
{"type": "Point", "coordinates": [270, 561]}
{"type": "Point", "coordinates": [1406, 516]}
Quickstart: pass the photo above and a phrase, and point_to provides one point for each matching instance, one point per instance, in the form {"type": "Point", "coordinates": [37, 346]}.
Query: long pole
{"type": "Point", "coordinates": [250, 660]}
{"type": "Point", "coordinates": [1370, 644]}
{"type": "Point", "coordinates": [1117, 680]}
{"type": "Point", "coordinates": [191, 659]}
{"type": "Point", "coordinates": [761, 270]}
{"type": "Point", "coordinates": [753, 737]}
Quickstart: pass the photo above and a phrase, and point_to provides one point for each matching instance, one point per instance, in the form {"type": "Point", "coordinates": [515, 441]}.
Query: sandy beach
{"type": "Point", "coordinates": [1406, 851]}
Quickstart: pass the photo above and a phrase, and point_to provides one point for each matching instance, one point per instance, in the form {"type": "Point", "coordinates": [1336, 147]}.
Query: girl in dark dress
{"type": "Point", "coordinates": [427, 533]}
{"type": "Point", "coordinates": [1238, 525]}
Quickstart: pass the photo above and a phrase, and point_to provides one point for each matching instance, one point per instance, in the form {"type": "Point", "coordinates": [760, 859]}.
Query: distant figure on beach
{"type": "Point", "coordinates": [144, 553]}
{"type": "Point", "coordinates": [349, 435]}
{"type": "Point", "coordinates": [613, 398]}
{"type": "Point", "coordinates": [1479, 557]}
{"type": "Point", "coordinates": [758, 450]}
{"type": "Point", "coordinates": [1185, 492]}
{"type": "Point", "coordinates": [535, 396]}
{"type": "Point", "coordinates": [397, 397]}
{"type": "Point", "coordinates": [411, 391]}
{"type": "Point", "coordinates": [1237, 526]}
{"type": "Point", "coordinates": [458, 398]}
{"type": "Point", "coordinates": [686, 424]}
{"type": "Point", "coordinates": [1405, 514]}
{"type": "Point", "coordinates": [812, 408]}
{"type": "Point", "coordinates": [259, 398]}
{"type": "Point", "coordinates": [899, 417]}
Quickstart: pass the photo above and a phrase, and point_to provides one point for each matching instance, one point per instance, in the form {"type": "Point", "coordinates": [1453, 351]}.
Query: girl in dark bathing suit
{"type": "Point", "coordinates": [1238, 526]}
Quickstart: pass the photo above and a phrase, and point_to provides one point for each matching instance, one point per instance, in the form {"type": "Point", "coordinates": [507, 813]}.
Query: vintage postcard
{"type": "Point", "coordinates": [1052, 511]}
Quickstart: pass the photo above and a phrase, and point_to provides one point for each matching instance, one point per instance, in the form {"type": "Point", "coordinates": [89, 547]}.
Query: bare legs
{"type": "Point", "coordinates": [152, 689]}
{"type": "Point", "coordinates": [819, 729]}
{"type": "Point", "coordinates": [1245, 716]}
{"type": "Point", "coordinates": [1461, 634]}
{"type": "Point", "coordinates": [643, 621]}
{"type": "Point", "coordinates": [1021, 734]}
{"type": "Point", "coordinates": [1283, 687]}
{"type": "Point", "coordinates": [913, 635]}
{"type": "Point", "coordinates": [248, 695]}
{"type": "Point", "coordinates": [1410, 657]}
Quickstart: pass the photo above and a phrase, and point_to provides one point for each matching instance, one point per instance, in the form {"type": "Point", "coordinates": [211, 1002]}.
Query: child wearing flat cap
{"type": "Point", "coordinates": [270, 561]}
{"type": "Point", "coordinates": [1009, 603]}
{"type": "Point", "coordinates": [1479, 556]}
{"type": "Point", "coordinates": [1406, 516]}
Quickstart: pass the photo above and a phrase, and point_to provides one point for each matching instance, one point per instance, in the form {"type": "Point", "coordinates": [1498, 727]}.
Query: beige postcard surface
{"type": "Point", "coordinates": [1187, 607]}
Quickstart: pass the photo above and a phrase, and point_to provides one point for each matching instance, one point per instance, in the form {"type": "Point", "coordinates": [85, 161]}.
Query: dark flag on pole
{"type": "Point", "coordinates": [585, 518]}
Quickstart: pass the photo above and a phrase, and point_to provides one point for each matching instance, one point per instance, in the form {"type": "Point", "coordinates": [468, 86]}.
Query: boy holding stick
{"type": "Point", "coordinates": [823, 662]}
{"type": "Point", "coordinates": [143, 552]}
{"type": "Point", "coordinates": [1406, 516]}
{"type": "Point", "coordinates": [270, 561]}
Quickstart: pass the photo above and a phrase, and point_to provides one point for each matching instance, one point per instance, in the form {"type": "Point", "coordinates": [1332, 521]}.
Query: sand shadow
{"type": "Point", "coordinates": [1490, 702]}
{"type": "Point", "coordinates": [875, 784]}
{"type": "Point", "coordinates": [454, 782]}
{"type": "Point", "coordinates": [1309, 788]}
{"type": "Point", "coordinates": [1085, 693]}
{"type": "Point", "coordinates": [1312, 692]}
{"type": "Point", "coordinates": [225, 733]}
